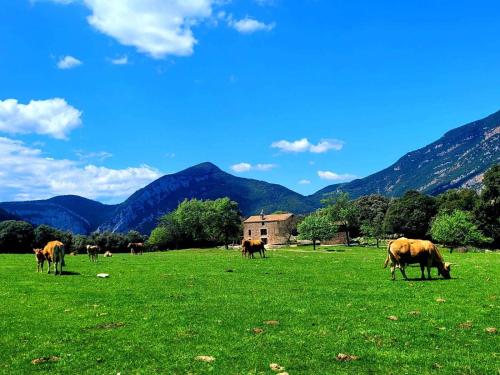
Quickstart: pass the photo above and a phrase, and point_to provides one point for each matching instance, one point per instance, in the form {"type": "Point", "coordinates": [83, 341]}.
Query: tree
{"type": "Point", "coordinates": [487, 211]}
{"type": "Point", "coordinates": [457, 229]}
{"type": "Point", "coordinates": [317, 227]}
{"type": "Point", "coordinates": [45, 233]}
{"type": "Point", "coordinates": [134, 236]}
{"type": "Point", "coordinates": [222, 220]}
{"type": "Point", "coordinates": [159, 238]}
{"type": "Point", "coordinates": [457, 199]}
{"type": "Point", "coordinates": [410, 215]}
{"type": "Point", "coordinates": [371, 212]}
{"type": "Point", "coordinates": [79, 243]}
{"type": "Point", "coordinates": [341, 210]}
{"type": "Point", "coordinates": [16, 236]}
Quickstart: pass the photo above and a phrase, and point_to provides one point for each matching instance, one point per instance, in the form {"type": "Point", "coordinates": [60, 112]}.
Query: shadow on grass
{"type": "Point", "coordinates": [335, 250]}
{"type": "Point", "coordinates": [70, 273]}
{"type": "Point", "coordinates": [424, 280]}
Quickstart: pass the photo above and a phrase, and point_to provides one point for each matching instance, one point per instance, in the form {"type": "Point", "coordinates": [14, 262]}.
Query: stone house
{"type": "Point", "coordinates": [271, 229]}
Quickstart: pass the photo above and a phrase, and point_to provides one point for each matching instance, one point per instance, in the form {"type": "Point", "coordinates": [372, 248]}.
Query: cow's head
{"type": "Point", "coordinates": [445, 271]}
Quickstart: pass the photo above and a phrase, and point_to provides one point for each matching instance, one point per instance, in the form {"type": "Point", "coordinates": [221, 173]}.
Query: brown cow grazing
{"type": "Point", "coordinates": [40, 259]}
{"type": "Point", "coordinates": [54, 253]}
{"type": "Point", "coordinates": [249, 247]}
{"type": "Point", "coordinates": [136, 248]}
{"type": "Point", "coordinates": [93, 251]}
{"type": "Point", "coordinates": [404, 251]}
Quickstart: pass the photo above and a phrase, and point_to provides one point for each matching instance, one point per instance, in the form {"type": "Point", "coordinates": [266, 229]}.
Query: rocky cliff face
{"type": "Point", "coordinates": [458, 159]}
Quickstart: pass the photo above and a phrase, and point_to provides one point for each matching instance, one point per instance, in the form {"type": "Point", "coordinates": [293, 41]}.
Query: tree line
{"type": "Point", "coordinates": [457, 217]}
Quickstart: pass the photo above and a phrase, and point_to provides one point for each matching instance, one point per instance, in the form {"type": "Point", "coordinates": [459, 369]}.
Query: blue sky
{"type": "Point", "coordinates": [100, 97]}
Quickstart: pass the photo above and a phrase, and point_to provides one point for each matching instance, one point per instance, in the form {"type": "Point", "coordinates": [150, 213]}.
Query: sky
{"type": "Point", "coordinates": [100, 97]}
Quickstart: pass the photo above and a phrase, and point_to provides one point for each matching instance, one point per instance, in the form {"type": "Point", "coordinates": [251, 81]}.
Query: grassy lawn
{"type": "Point", "coordinates": [157, 312]}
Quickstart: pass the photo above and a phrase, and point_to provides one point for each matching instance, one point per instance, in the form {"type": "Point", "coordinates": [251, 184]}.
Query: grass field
{"type": "Point", "coordinates": [159, 311]}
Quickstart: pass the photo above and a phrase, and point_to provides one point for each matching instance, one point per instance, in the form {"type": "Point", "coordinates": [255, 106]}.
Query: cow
{"type": "Point", "coordinates": [404, 251]}
{"type": "Point", "coordinates": [40, 259]}
{"type": "Point", "coordinates": [249, 247]}
{"type": "Point", "coordinates": [136, 248]}
{"type": "Point", "coordinates": [54, 253]}
{"type": "Point", "coordinates": [108, 254]}
{"type": "Point", "coordinates": [93, 251]}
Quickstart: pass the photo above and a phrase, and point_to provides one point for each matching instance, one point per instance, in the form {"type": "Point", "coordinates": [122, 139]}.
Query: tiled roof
{"type": "Point", "coordinates": [268, 218]}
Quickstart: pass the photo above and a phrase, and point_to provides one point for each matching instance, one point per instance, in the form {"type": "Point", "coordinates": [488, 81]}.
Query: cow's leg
{"type": "Point", "coordinates": [422, 266]}
{"type": "Point", "coordinates": [49, 262]}
{"type": "Point", "coordinates": [402, 269]}
{"type": "Point", "coordinates": [393, 275]}
{"type": "Point", "coordinates": [429, 272]}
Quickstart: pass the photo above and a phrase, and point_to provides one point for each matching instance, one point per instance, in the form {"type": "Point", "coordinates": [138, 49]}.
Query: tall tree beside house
{"type": "Point", "coordinates": [457, 229]}
{"type": "Point", "coordinates": [317, 227]}
{"type": "Point", "coordinates": [340, 209]}
{"type": "Point", "coordinates": [487, 211]}
{"type": "Point", "coordinates": [410, 215]}
{"type": "Point", "coordinates": [222, 220]}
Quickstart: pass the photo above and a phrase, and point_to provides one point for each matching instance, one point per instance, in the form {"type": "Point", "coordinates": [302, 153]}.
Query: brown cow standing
{"type": "Point", "coordinates": [136, 248]}
{"type": "Point", "coordinates": [40, 259]}
{"type": "Point", "coordinates": [404, 251]}
{"type": "Point", "coordinates": [54, 253]}
{"type": "Point", "coordinates": [249, 247]}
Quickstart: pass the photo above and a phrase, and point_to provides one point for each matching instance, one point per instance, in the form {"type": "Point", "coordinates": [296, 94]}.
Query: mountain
{"type": "Point", "coordinates": [67, 212]}
{"type": "Point", "coordinates": [204, 181]}
{"type": "Point", "coordinates": [4, 215]}
{"type": "Point", "coordinates": [458, 159]}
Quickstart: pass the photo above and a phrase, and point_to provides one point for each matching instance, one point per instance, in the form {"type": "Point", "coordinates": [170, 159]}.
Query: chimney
{"type": "Point", "coordinates": [262, 214]}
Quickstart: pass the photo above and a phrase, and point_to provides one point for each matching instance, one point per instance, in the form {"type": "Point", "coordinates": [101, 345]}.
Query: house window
{"type": "Point", "coordinates": [249, 232]}
{"type": "Point", "coordinates": [264, 240]}
{"type": "Point", "coordinates": [263, 223]}
{"type": "Point", "coordinates": [263, 232]}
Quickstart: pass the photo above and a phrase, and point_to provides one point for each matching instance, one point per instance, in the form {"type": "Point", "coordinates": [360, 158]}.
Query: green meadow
{"type": "Point", "coordinates": [297, 308]}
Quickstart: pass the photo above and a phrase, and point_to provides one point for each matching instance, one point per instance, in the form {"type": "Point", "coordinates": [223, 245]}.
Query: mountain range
{"type": "Point", "coordinates": [458, 159]}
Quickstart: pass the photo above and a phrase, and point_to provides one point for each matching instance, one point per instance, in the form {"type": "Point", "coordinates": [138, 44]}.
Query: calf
{"type": "Point", "coordinates": [40, 259]}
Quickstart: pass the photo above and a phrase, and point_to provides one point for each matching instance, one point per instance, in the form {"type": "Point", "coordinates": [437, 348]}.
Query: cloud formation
{"type": "Point", "coordinates": [304, 182]}
{"type": "Point", "coordinates": [52, 117]}
{"type": "Point", "coordinates": [250, 25]}
{"type": "Point", "coordinates": [119, 60]}
{"type": "Point", "coordinates": [28, 174]}
{"type": "Point", "coordinates": [157, 28]}
{"type": "Point", "coordinates": [247, 167]}
{"type": "Point", "coordinates": [303, 145]}
{"type": "Point", "coordinates": [332, 176]}
{"type": "Point", "coordinates": [68, 62]}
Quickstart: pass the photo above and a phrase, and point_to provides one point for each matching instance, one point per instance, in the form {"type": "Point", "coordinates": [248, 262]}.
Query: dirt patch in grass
{"type": "Point", "coordinates": [440, 300]}
{"type": "Point", "coordinates": [276, 368]}
{"type": "Point", "coordinates": [205, 358]}
{"type": "Point", "coordinates": [41, 360]}
{"type": "Point", "coordinates": [257, 330]}
{"type": "Point", "coordinates": [341, 357]}
{"type": "Point", "coordinates": [393, 317]}
{"type": "Point", "coordinates": [414, 313]}
{"type": "Point", "coordinates": [271, 322]}
{"type": "Point", "coordinates": [465, 325]}
{"type": "Point", "coordinates": [491, 330]}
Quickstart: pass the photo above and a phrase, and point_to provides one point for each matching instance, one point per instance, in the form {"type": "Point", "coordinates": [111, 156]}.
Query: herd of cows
{"type": "Point", "coordinates": [400, 253]}
{"type": "Point", "coordinates": [53, 253]}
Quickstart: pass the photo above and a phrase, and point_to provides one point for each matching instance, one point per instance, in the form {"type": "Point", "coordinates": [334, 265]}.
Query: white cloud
{"type": "Point", "coordinates": [303, 145]}
{"type": "Point", "coordinates": [304, 182]}
{"type": "Point", "coordinates": [68, 62]}
{"type": "Point", "coordinates": [95, 155]}
{"type": "Point", "coordinates": [332, 176]}
{"type": "Point", "coordinates": [120, 61]}
{"type": "Point", "coordinates": [326, 145]}
{"type": "Point", "coordinates": [247, 167]}
{"type": "Point", "coordinates": [53, 117]}
{"type": "Point", "coordinates": [249, 25]}
{"type": "Point", "coordinates": [29, 174]}
{"type": "Point", "coordinates": [155, 27]}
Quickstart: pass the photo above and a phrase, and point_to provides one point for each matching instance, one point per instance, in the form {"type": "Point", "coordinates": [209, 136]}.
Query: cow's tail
{"type": "Point", "coordinates": [388, 259]}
